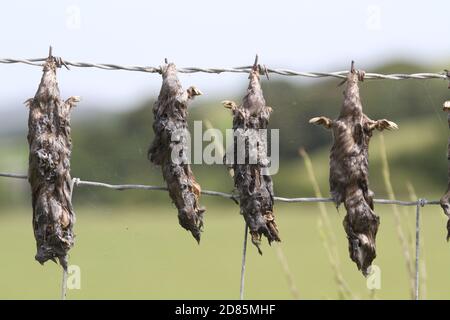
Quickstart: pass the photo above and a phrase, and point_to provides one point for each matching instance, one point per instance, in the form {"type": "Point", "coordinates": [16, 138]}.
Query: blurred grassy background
{"type": "Point", "coordinates": [129, 244]}
{"type": "Point", "coordinates": [141, 252]}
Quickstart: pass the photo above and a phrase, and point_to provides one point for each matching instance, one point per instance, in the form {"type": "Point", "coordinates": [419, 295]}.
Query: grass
{"type": "Point", "coordinates": [326, 232]}
{"type": "Point", "coordinates": [406, 249]}
{"type": "Point", "coordinates": [142, 253]}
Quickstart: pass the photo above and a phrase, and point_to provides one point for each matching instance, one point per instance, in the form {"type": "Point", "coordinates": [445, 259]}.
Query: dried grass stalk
{"type": "Point", "coordinates": [406, 240]}
{"type": "Point", "coordinates": [253, 184]}
{"type": "Point", "coordinates": [349, 174]}
{"type": "Point", "coordinates": [423, 265]}
{"type": "Point", "coordinates": [445, 200]}
{"type": "Point", "coordinates": [49, 168]}
{"type": "Point", "coordinates": [326, 232]}
{"type": "Point", "coordinates": [169, 149]}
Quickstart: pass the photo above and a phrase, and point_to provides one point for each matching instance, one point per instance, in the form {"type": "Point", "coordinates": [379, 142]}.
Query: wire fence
{"type": "Point", "coordinates": [77, 182]}
{"type": "Point", "coordinates": [120, 187]}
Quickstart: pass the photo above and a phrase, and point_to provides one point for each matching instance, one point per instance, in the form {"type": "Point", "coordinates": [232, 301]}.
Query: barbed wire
{"type": "Point", "coordinates": [77, 182]}
{"type": "Point", "coordinates": [244, 69]}
{"type": "Point", "coordinates": [120, 187]}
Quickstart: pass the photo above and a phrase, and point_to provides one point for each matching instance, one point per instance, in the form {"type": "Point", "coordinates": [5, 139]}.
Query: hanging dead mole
{"type": "Point", "coordinates": [169, 149]}
{"type": "Point", "coordinates": [445, 200]}
{"type": "Point", "coordinates": [349, 171]}
{"type": "Point", "coordinates": [253, 184]}
{"type": "Point", "coordinates": [50, 147]}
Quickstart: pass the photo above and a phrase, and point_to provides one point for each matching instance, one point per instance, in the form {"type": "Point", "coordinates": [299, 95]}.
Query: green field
{"type": "Point", "coordinates": [142, 253]}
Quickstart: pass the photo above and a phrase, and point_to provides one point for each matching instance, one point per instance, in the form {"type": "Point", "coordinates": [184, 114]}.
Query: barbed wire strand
{"type": "Point", "coordinates": [243, 69]}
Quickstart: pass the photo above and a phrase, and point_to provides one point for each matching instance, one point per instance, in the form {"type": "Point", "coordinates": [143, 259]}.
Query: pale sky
{"type": "Point", "coordinates": [300, 35]}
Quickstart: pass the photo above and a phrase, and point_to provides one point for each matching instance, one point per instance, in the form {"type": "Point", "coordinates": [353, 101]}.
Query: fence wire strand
{"type": "Point", "coordinates": [77, 182]}
{"type": "Point", "coordinates": [243, 69]}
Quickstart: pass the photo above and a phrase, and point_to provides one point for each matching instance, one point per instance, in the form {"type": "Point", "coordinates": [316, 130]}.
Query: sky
{"type": "Point", "coordinates": [300, 35]}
